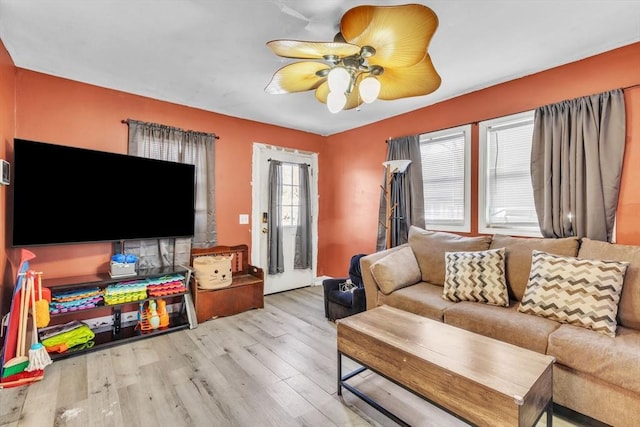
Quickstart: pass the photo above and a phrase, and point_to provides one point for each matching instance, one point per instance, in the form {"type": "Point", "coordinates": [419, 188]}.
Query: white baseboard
{"type": "Point", "coordinates": [318, 280]}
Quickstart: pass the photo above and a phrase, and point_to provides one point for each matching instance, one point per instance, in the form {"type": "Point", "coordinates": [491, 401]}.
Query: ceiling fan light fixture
{"type": "Point", "coordinates": [381, 52]}
{"type": "Point", "coordinates": [339, 80]}
{"type": "Point", "coordinates": [336, 101]}
{"type": "Point", "coordinates": [367, 52]}
{"type": "Point", "coordinates": [369, 89]}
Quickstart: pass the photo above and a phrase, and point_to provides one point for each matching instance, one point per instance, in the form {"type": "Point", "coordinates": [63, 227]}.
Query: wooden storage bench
{"type": "Point", "coordinates": [245, 292]}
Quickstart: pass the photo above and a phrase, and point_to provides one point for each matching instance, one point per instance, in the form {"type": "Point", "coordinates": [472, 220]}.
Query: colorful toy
{"type": "Point", "coordinates": [166, 285]}
{"type": "Point", "coordinates": [9, 349]}
{"type": "Point", "coordinates": [124, 292]}
{"type": "Point", "coordinates": [41, 308]}
{"type": "Point", "coordinates": [38, 356]}
{"type": "Point", "coordinates": [73, 334]}
{"type": "Point", "coordinates": [163, 314]}
{"type": "Point", "coordinates": [154, 319]}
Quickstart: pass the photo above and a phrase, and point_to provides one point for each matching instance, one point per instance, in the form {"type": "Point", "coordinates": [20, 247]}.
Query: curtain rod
{"type": "Point", "coordinates": [126, 122]}
{"type": "Point", "coordinates": [386, 141]}
{"type": "Point", "coordinates": [290, 163]}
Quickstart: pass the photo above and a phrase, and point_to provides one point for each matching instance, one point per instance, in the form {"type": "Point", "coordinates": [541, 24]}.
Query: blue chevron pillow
{"type": "Point", "coordinates": [581, 292]}
{"type": "Point", "coordinates": [476, 276]}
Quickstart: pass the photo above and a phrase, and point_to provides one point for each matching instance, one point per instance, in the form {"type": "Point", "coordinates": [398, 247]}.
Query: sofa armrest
{"type": "Point", "coordinates": [370, 285]}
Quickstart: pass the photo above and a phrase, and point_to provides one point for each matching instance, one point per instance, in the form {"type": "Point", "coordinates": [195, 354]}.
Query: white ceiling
{"type": "Point", "coordinates": [211, 54]}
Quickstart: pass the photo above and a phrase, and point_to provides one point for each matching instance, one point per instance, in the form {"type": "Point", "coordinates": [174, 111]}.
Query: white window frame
{"type": "Point", "coordinates": [466, 131]}
{"type": "Point", "coordinates": [483, 172]}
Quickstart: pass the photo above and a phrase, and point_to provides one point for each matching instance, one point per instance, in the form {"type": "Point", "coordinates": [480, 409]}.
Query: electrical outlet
{"type": "Point", "coordinates": [244, 218]}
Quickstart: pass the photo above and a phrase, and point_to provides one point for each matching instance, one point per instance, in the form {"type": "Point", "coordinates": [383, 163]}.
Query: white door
{"type": "Point", "coordinates": [291, 278]}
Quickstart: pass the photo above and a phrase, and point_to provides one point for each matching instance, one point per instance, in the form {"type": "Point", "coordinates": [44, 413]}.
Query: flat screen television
{"type": "Point", "coordinates": [67, 195]}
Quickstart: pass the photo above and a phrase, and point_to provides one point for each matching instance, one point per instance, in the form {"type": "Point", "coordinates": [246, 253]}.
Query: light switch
{"type": "Point", "coordinates": [244, 219]}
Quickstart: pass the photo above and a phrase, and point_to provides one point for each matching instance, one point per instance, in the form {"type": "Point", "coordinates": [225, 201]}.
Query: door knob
{"type": "Point", "coordinates": [265, 230]}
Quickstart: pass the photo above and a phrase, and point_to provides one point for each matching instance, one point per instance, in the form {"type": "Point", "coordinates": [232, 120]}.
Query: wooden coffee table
{"type": "Point", "coordinates": [478, 379]}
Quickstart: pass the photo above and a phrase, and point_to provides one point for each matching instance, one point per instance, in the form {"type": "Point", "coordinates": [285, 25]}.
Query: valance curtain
{"type": "Point", "coordinates": [576, 164]}
{"type": "Point", "coordinates": [406, 192]}
{"type": "Point", "coordinates": [161, 142]}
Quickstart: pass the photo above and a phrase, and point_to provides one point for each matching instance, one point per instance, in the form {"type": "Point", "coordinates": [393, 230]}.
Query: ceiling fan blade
{"type": "Point", "coordinates": [417, 80]}
{"type": "Point", "coordinates": [296, 77]}
{"type": "Point", "coordinates": [399, 34]}
{"type": "Point", "coordinates": [311, 50]}
{"type": "Point", "coordinates": [353, 100]}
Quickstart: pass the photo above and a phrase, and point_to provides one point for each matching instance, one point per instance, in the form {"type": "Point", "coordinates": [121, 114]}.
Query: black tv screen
{"type": "Point", "coordinates": [65, 195]}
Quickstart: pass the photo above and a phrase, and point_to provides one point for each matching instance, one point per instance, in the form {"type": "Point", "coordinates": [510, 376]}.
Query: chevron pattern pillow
{"type": "Point", "coordinates": [581, 292]}
{"type": "Point", "coordinates": [476, 276]}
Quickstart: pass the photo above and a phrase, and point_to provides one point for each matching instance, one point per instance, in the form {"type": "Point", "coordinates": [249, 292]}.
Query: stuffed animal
{"type": "Point", "coordinates": [213, 272]}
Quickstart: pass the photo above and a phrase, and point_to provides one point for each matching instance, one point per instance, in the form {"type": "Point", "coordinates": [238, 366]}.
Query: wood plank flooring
{"type": "Point", "coordinates": [269, 367]}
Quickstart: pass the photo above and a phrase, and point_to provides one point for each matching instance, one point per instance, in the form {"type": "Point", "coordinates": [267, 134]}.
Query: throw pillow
{"type": "Point", "coordinates": [397, 270]}
{"type": "Point", "coordinates": [629, 307]}
{"type": "Point", "coordinates": [518, 256]}
{"type": "Point", "coordinates": [429, 248]}
{"type": "Point", "coordinates": [582, 292]}
{"type": "Point", "coordinates": [476, 276]}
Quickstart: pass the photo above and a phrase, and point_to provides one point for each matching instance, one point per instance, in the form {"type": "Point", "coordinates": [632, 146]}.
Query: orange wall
{"type": "Point", "coordinates": [71, 113]}
{"type": "Point", "coordinates": [7, 108]}
{"type": "Point", "coordinates": [350, 219]}
{"type": "Point", "coordinates": [65, 112]}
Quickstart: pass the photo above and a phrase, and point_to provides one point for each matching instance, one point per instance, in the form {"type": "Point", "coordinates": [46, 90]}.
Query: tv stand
{"type": "Point", "coordinates": [123, 326]}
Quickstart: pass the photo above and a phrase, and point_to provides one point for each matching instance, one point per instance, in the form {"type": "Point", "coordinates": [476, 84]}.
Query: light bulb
{"type": "Point", "coordinates": [369, 89]}
{"type": "Point", "coordinates": [336, 101]}
{"type": "Point", "coordinates": [339, 79]}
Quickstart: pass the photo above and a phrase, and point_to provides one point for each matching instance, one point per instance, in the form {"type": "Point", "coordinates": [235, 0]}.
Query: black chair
{"type": "Point", "coordinates": [339, 303]}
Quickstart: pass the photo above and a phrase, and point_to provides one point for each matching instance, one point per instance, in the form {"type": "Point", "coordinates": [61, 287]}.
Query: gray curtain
{"type": "Point", "coordinates": [576, 163]}
{"type": "Point", "coordinates": [275, 250]}
{"type": "Point", "coordinates": [302, 257]}
{"type": "Point", "coordinates": [161, 142]}
{"type": "Point", "coordinates": [406, 191]}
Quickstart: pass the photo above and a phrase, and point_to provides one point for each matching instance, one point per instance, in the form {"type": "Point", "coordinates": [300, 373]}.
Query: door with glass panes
{"type": "Point", "coordinates": [291, 277]}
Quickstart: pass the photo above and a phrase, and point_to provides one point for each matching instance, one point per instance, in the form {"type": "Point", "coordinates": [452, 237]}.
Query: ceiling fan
{"type": "Point", "coordinates": [379, 53]}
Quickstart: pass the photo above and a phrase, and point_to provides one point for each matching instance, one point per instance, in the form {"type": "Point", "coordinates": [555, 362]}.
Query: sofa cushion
{"type": "Point", "coordinates": [422, 298]}
{"type": "Point", "coordinates": [502, 323]}
{"type": "Point", "coordinates": [581, 292]}
{"type": "Point", "coordinates": [476, 276]}
{"type": "Point", "coordinates": [429, 248]}
{"type": "Point", "coordinates": [629, 307]}
{"type": "Point", "coordinates": [396, 270]}
{"type": "Point", "coordinates": [614, 360]}
{"type": "Point", "coordinates": [518, 257]}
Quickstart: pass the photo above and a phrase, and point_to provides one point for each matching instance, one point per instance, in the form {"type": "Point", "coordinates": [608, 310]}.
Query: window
{"type": "Point", "coordinates": [290, 194]}
{"type": "Point", "coordinates": [446, 165]}
{"type": "Point", "coordinates": [505, 201]}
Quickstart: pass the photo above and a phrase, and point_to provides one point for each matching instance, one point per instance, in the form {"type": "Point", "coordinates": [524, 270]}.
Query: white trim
{"type": "Point", "coordinates": [466, 131]}
{"type": "Point", "coordinates": [483, 127]}
{"type": "Point", "coordinates": [263, 151]}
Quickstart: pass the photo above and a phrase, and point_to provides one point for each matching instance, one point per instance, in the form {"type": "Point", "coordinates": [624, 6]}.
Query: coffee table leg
{"type": "Point", "coordinates": [339, 374]}
{"type": "Point", "coordinates": [550, 414]}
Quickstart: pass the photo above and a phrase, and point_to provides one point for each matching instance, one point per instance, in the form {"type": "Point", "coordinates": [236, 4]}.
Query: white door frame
{"type": "Point", "coordinates": [262, 152]}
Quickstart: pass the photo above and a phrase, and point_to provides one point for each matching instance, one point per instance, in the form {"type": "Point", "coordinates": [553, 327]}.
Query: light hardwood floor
{"type": "Point", "coordinates": [269, 367]}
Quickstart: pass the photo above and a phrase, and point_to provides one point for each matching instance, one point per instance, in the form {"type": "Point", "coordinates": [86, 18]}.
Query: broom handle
{"type": "Point", "coordinates": [24, 316]}
{"type": "Point", "coordinates": [34, 335]}
{"type": "Point", "coordinates": [20, 324]}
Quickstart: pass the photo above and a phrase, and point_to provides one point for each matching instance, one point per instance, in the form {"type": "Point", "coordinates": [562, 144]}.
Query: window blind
{"type": "Point", "coordinates": [508, 191]}
{"type": "Point", "coordinates": [443, 175]}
